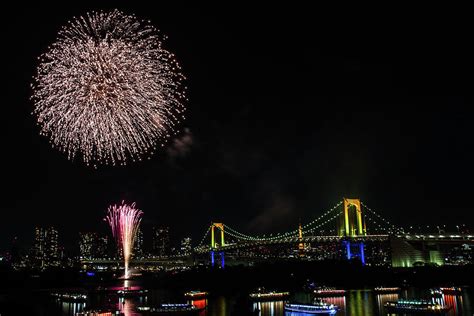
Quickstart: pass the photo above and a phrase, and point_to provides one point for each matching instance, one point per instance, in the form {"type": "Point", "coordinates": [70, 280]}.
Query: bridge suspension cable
{"type": "Point", "coordinates": [306, 228]}
{"type": "Point", "coordinates": [382, 219]}
{"type": "Point", "coordinates": [322, 216]}
{"type": "Point", "coordinates": [376, 225]}
{"type": "Point", "coordinates": [326, 222]}
{"type": "Point", "coordinates": [204, 237]}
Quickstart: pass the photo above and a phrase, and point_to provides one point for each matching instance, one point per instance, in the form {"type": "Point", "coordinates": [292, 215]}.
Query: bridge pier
{"type": "Point", "coordinates": [221, 257]}
{"type": "Point", "coordinates": [354, 249]}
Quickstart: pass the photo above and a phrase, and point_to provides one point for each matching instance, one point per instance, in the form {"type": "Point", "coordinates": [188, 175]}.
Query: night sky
{"type": "Point", "coordinates": [290, 110]}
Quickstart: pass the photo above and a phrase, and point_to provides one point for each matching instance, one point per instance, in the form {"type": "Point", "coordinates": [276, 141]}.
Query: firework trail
{"type": "Point", "coordinates": [107, 90]}
{"type": "Point", "coordinates": [124, 221]}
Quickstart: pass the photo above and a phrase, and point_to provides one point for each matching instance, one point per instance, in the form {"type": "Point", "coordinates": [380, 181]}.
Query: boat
{"type": "Point", "coordinates": [263, 295]}
{"type": "Point", "coordinates": [416, 306]}
{"type": "Point", "coordinates": [383, 289]}
{"type": "Point", "coordinates": [451, 290]}
{"type": "Point", "coordinates": [315, 308]}
{"type": "Point", "coordinates": [329, 291]}
{"type": "Point", "coordinates": [440, 291]}
{"type": "Point", "coordinates": [169, 309]}
{"type": "Point", "coordinates": [70, 297]}
{"type": "Point", "coordinates": [126, 292]}
{"type": "Point", "coordinates": [192, 295]}
{"type": "Point", "coordinates": [100, 312]}
{"type": "Point", "coordinates": [436, 292]}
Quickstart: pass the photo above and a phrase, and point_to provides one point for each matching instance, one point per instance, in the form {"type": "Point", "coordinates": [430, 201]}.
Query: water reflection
{"type": "Point", "coordinates": [384, 298]}
{"type": "Point", "coordinates": [355, 303]}
{"type": "Point", "coordinates": [339, 301]}
{"type": "Point", "coordinates": [359, 303]}
{"type": "Point", "coordinates": [269, 308]}
{"type": "Point", "coordinates": [218, 307]}
{"type": "Point", "coordinates": [70, 308]}
{"type": "Point", "coordinates": [456, 302]}
{"type": "Point", "coordinates": [128, 305]}
{"type": "Point", "coordinates": [200, 304]}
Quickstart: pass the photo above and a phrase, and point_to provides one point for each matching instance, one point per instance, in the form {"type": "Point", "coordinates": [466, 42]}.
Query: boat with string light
{"type": "Point", "coordinates": [387, 290]}
{"type": "Point", "coordinates": [169, 309]}
{"type": "Point", "coordinates": [100, 312]}
{"type": "Point", "coordinates": [70, 297]}
{"type": "Point", "coordinates": [261, 294]}
{"type": "Point", "coordinates": [436, 292]}
{"type": "Point", "coordinates": [317, 308]}
{"type": "Point", "coordinates": [416, 307]}
{"type": "Point", "coordinates": [451, 290]}
{"type": "Point", "coordinates": [193, 295]}
{"type": "Point", "coordinates": [329, 291]}
{"type": "Point", "coordinates": [440, 291]}
{"type": "Point", "coordinates": [132, 292]}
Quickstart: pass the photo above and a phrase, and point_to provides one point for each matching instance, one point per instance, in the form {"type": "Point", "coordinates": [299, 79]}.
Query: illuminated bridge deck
{"type": "Point", "coordinates": [322, 239]}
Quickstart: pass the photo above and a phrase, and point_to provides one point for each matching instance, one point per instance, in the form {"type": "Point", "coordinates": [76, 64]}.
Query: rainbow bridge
{"type": "Point", "coordinates": [350, 223]}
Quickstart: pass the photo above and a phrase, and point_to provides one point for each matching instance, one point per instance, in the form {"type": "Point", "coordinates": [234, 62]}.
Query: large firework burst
{"type": "Point", "coordinates": [107, 90]}
{"type": "Point", "coordinates": [124, 220]}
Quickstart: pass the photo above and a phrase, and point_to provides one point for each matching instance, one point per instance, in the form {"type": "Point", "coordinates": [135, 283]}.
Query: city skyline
{"type": "Point", "coordinates": [153, 230]}
{"type": "Point", "coordinates": [160, 243]}
{"type": "Point", "coordinates": [391, 246]}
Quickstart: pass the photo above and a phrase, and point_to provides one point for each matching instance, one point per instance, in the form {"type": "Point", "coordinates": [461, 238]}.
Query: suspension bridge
{"type": "Point", "coordinates": [350, 223]}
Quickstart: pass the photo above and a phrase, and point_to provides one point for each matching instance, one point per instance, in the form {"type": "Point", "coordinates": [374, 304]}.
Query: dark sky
{"type": "Point", "coordinates": [291, 109]}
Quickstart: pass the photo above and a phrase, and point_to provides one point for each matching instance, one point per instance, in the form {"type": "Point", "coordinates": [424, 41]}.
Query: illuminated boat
{"type": "Point", "coordinates": [383, 289]}
{"type": "Point", "coordinates": [329, 291]}
{"type": "Point", "coordinates": [416, 306]}
{"type": "Point", "coordinates": [451, 290]}
{"type": "Point", "coordinates": [100, 312]}
{"type": "Point", "coordinates": [263, 295]}
{"type": "Point", "coordinates": [192, 295]}
{"type": "Point", "coordinates": [169, 309]}
{"type": "Point", "coordinates": [131, 292]}
{"type": "Point", "coordinates": [316, 308]}
{"type": "Point", "coordinates": [70, 297]}
{"type": "Point", "coordinates": [436, 292]}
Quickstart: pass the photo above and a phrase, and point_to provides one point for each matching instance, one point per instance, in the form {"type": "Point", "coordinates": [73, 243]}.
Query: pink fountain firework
{"type": "Point", "coordinates": [124, 220]}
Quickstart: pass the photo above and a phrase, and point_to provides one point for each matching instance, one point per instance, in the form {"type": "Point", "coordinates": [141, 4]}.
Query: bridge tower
{"type": "Point", "coordinates": [351, 222]}
{"type": "Point", "coordinates": [215, 246]}
{"type": "Point", "coordinates": [351, 225]}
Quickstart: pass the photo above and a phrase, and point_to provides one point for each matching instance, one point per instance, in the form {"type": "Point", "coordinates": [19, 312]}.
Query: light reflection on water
{"type": "Point", "coordinates": [269, 308]}
{"type": "Point", "coordinates": [201, 304]}
{"type": "Point", "coordinates": [70, 308]}
{"type": "Point", "coordinates": [355, 303]}
{"type": "Point", "coordinates": [339, 301]}
{"type": "Point", "coordinates": [128, 305]}
{"type": "Point", "coordinates": [384, 298]}
{"type": "Point", "coordinates": [367, 303]}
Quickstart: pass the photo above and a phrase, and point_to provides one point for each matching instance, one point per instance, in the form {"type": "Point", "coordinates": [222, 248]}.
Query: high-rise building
{"type": "Point", "coordinates": [14, 257]}
{"type": "Point", "coordinates": [161, 241]}
{"type": "Point", "coordinates": [102, 247]}
{"type": "Point", "coordinates": [186, 246]}
{"type": "Point", "coordinates": [87, 245]}
{"type": "Point", "coordinates": [52, 246]}
{"type": "Point", "coordinates": [138, 246]}
{"type": "Point", "coordinates": [38, 246]}
{"type": "Point", "coordinates": [92, 245]}
{"type": "Point", "coordinates": [46, 248]}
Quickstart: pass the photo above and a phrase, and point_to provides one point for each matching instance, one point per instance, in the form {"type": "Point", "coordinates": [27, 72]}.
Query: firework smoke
{"type": "Point", "coordinates": [124, 221]}
{"type": "Point", "coordinates": [107, 90]}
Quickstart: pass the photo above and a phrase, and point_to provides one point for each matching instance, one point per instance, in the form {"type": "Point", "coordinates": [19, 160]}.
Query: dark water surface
{"type": "Point", "coordinates": [357, 302]}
